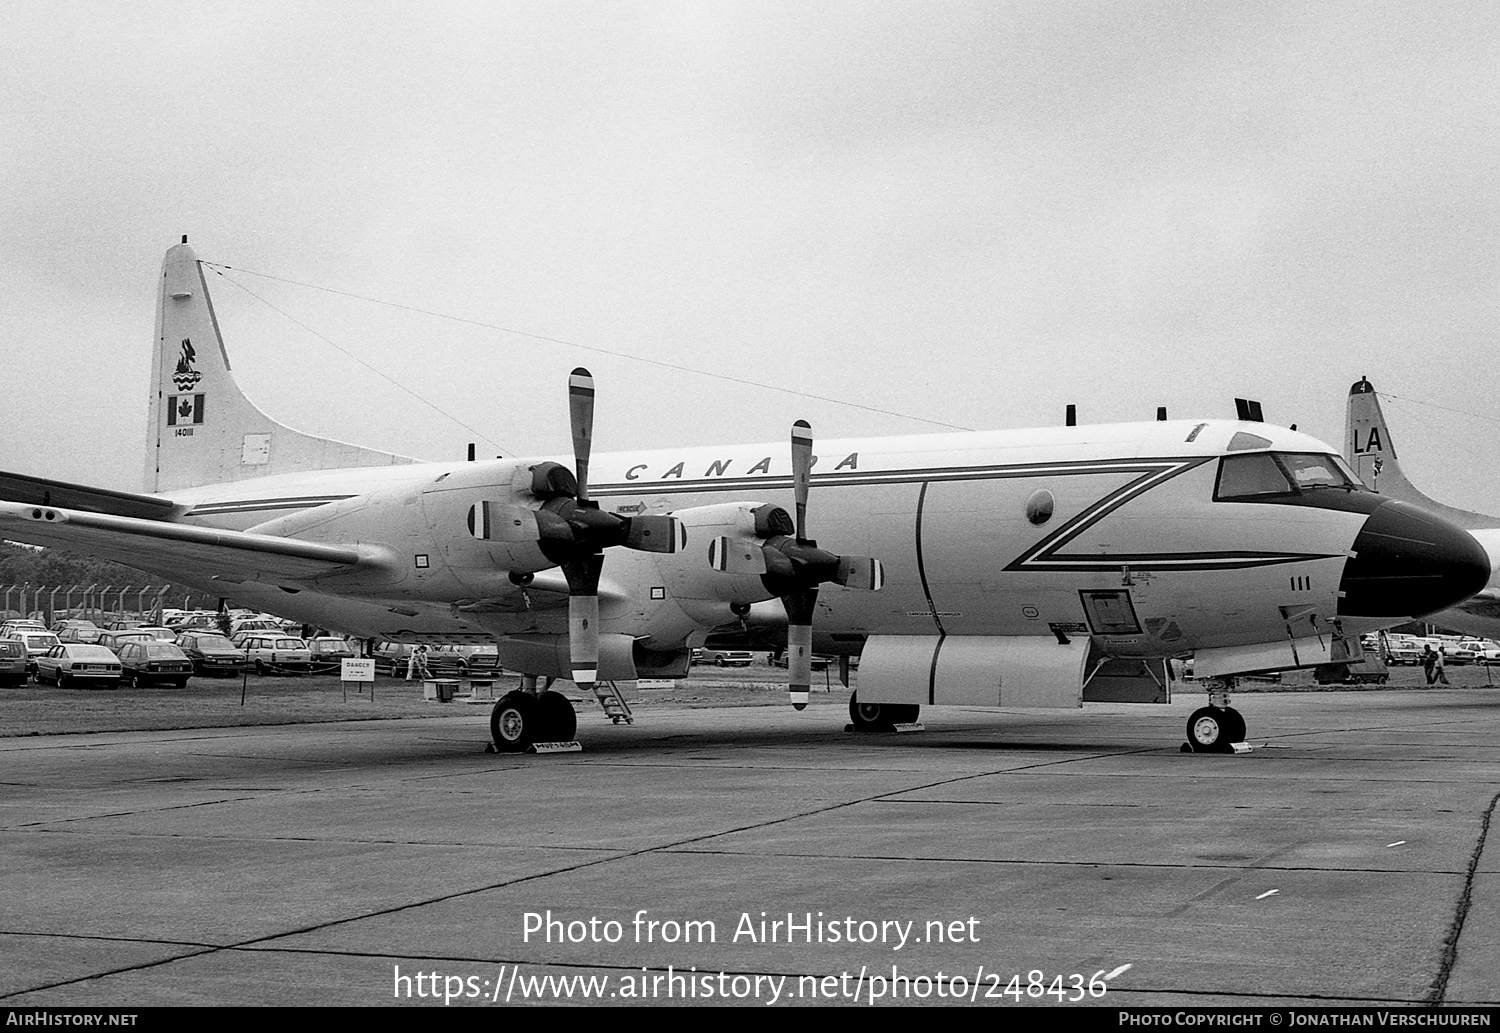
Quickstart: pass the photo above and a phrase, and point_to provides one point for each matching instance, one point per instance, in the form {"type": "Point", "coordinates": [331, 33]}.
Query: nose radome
{"type": "Point", "coordinates": [1407, 563]}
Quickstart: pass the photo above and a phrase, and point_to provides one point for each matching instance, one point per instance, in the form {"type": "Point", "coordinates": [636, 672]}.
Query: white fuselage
{"type": "Point", "coordinates": [1131, 510]}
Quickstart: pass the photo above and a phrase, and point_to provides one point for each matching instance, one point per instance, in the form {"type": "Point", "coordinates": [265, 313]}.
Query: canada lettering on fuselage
{"type": "Point", "coordinates": [720, 468]}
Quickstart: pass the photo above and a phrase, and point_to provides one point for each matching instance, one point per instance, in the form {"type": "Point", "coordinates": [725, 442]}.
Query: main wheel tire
{"type": "Point", "coordinates": [556, 719]}
{"type": "Point", "coordinates": [260, 667]}
{"type": "Point", "coordinates": [1236, 725]}
{"type": "Point", "coordinates": [1207, 731]}
{"type": "Point", "coordinates": [513, 722]}
{"type": "Point", "coordinates": [879, 717]}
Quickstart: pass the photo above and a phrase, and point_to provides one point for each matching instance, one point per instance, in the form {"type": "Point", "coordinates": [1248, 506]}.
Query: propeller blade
{"type": "Point", "coordinates": [802, 444]}
{"type": "Point", "coordinates": [734, 556]}
{"type": "Point", "coordinates": [655, 534]}
{"type": "Point", "coordinates": [863, 572]}
{"type": "Point", "coordinates": [799, 663]}
{"type": "Point", "coordinates": [503, 522]}
{"type": "Point", "coordinates": [583, 639]}
{"type": "Point", "coordinates": [581, 412]}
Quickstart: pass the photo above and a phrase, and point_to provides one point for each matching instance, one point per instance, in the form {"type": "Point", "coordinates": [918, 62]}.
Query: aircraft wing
{"type": "Point", "coordinates": [40, 491]}
{"type": "Point", "coordinates": [164, 546]}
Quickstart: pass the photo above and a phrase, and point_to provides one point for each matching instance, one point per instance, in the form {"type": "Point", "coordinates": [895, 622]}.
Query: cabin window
{"type": "Point", "coordinates": [1039, 506]}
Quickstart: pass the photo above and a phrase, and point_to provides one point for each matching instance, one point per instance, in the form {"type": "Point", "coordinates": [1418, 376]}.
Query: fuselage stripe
{"type": "Point", "coordinates": [1042, 556]}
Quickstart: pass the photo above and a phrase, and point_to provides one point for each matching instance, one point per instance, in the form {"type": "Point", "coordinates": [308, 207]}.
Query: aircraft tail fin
{"type": "Point", "coordinates": [202, 429]}
{"type": "Point", "coordinates": [1370, 451]}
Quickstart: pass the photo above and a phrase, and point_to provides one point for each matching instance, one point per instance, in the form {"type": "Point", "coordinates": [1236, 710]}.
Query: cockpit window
{"type": "Point", "coordinates": [1280, 473]}
{"type": "Point", "coordinates": [1311, 471]}
{"type": "Point", "coordinates": [1245, 476]}
{"type": "Point", "coordinates": [1244, 442]}
{"type": "Point", "coordinates": [1348, 472]}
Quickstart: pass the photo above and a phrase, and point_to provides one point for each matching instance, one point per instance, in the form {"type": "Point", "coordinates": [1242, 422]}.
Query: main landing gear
{"type": "Point", "coordinates": [1216, 727]}
{"type": "Point", "coordinates": [522, 718]}
{"type": "Point", "coordinates": [879, 717]}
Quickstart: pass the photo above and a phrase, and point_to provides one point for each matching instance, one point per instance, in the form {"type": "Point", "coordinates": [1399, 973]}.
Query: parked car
{"type": "Point", "coordinates": [1369, 671]}
{"type": "Point", "coordinates": [88, 634]}
{"type": "Point", "coordinates": [212, 653]}
{"type": "Point", "coordinates": [819, 661]}
{"type": "Point", "coordinates": [142, 663]}
{"type": "Point", "coordinates": [442, 661]}
{"type": "Point", "coordinates": [724, 657]}
{"type": "Point", "coordinates": [259, 625]}
{"type": "Point", "coordinates": [161, 632]}
{"type": "Point", "coordinates": [196, 621]}
{"type": "Point", "coordinates": [1402, 652]}
{"type": "Point", "coordinates": [1459, 656]}
{"type": "Point", "coordinates": [329, 652]}
{"type": "Point", "coordinates": [1475, 650]}
{"type": "Point", "coordinates": [36, 642]}
{"type": "Point", "coordinates": [14, 663]}
{"type": "Point", "coordinates": [113, 640]}
{"type": "Point", "coordinates": [276, 653]}
{"type": "Point", "coordinates": [481, 660]}
{"type": "Point", "coordinates": [69, 664]}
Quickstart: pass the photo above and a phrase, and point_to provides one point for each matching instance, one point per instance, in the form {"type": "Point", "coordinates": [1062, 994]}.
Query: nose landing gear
{"type": "Point", "coordinates": [1216, 727]}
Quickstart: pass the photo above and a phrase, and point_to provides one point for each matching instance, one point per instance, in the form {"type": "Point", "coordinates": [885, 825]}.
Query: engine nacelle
{"type": "Point", "coordinates": [547, 656]}
{"type": "Point", "coordinates": [691, 575]}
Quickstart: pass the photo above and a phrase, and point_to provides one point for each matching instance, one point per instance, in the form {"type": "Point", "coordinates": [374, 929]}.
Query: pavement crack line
{"type": "Point", "coordinates": [271, 938]}
{"type": "Point", "coordinates": [1461, 913]}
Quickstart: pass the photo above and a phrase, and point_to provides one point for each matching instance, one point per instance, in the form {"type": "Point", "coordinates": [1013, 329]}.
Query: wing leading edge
{"type": "Point", "coordinates": [164, 546]}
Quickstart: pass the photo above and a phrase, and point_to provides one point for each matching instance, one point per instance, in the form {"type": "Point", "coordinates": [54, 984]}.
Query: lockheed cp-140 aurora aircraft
{"type": "Point", "coordinates": [1028, 568]}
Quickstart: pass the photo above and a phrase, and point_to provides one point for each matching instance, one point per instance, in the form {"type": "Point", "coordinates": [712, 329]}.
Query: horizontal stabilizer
{"type": "Point", "coordinates": [39, 491]}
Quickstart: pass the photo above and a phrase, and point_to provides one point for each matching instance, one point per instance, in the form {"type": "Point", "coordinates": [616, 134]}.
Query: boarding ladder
{"type": "Point", "coordinates": [613, 701]}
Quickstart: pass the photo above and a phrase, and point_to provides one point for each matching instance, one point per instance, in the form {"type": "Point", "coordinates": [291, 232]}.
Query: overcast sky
{"type": "Point", "coordinates": [969, 213]}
